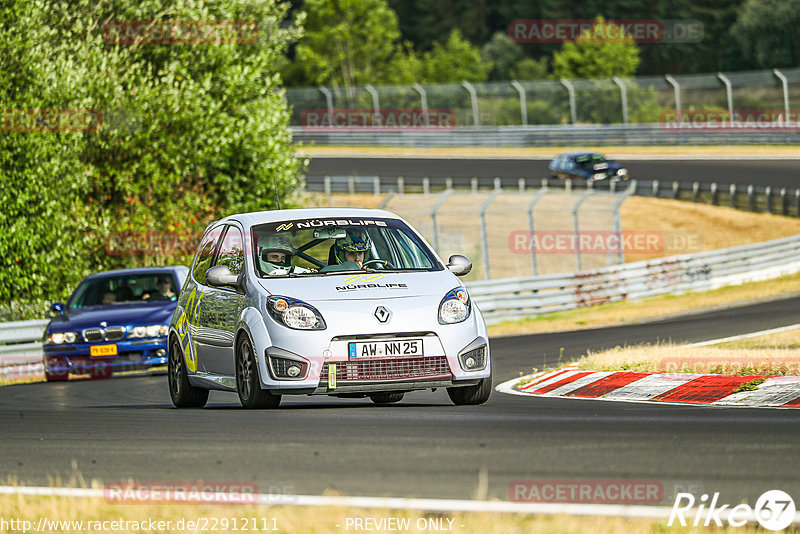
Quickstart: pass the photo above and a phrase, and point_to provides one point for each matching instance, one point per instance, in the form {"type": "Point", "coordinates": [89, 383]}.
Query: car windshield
{"type": "Point", "coordinates": [589, 159]}
{"type": "Point", "coordinates": [316, 247]}
{"type": "Point", "coordinates": [119, 289]}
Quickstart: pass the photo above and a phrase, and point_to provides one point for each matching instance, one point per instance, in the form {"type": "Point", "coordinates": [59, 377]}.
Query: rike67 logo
{"type": "Point", "coordinates": [774, 510]}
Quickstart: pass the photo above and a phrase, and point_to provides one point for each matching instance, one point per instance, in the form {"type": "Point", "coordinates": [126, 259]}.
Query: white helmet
{"type": "Point", "coordinates": [275, 243]}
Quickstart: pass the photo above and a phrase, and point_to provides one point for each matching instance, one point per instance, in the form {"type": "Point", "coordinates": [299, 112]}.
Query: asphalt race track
{"type": "Point", "coordinates": [776, 173]}
{"type": "Point", "coordinates": [126, 428]}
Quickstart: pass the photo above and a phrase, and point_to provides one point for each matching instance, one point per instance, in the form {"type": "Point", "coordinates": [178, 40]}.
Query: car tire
{"type": "Point", "coordinates": [247, 383]}
{"type": "Point", "coordinates": [184, 395]}
{"type": "Point", "coordinates": [386, 398]}
{"type": "Point", "coordinates": [471, 395]}
{"type": "Point", "coordinates": [56, 376]}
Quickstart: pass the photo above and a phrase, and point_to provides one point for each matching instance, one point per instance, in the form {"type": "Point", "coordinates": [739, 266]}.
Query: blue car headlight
{"type": "Point", "coordinates": [455, 306]}
{"type": "Point", "coordinates": [153, 330]}
{"type": "Point", "coordinates": [295, 313]}
{"type": "Point", "coordinates": [59, 338]}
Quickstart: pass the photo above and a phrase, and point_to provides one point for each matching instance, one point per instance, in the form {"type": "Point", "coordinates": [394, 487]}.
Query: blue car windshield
{"type": "Point", "coordinates": [313, 247]}
{"type": "Point", "coordinates": [119, 289]}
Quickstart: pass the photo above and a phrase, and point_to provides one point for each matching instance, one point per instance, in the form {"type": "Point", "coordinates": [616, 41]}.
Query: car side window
{"type": "Point", "coordinates": [205, 254]}
{"type": "Point", "coordinates": [231, 252]}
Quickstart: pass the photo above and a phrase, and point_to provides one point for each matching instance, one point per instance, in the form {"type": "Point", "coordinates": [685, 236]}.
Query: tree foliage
{"type": "Point", "coordinates": [601, 52]}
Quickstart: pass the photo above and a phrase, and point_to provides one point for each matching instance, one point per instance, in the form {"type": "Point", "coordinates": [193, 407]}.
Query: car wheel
{"type": "Point", "coordinates": [471, 395]}
{"type": "Point", "coordinates": [386, 398]}
{"type": "Point", "coordinates": [247, 384]}
{"type": "Point", "coordinates": [184, 395]}
{"type": "Point", "coordinates": [56, 376]}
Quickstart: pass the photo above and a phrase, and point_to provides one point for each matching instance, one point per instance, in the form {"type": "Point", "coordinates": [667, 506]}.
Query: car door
{"type": "Point", "coordinates": [221, 308]}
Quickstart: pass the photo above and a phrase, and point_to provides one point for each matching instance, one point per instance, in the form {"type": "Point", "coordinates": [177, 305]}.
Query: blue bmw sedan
{"type": "Point", "coordinates": [115, 320]}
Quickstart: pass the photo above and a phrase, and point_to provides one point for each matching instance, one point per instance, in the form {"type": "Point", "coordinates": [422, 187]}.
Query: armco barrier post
{"type": "Point", "coordinates": [695, 191]}
{"type": "Point", "coordinates": [751, 201]}
{"type": "Point", "coordinates": [497, 184]}
{"type": "Point", "coordinates": [351, 184]}
{"type": "Point", "coordinates": [532, 228]}
{"type": "Point", "coordinates": [768, 198]}
{"type": "Point", "coordinates": [676, 187]}
{"type": "Point", "coordinates": [401, 186]}
{"type": "Point", "coordinates": [521, 185]}
{"type": "Point", "coordinates": [733, 195]}
{"type": "Point", "coordinates": [473, 185]}
{"type": "Point", "coordinates": [784, 205]}
{"type": "Point", "coordinates": [713, 193]}
{"type": "Point", "coordinates": [327, 184]}
{"type": "Point", "coordinates": [448, 183]}
{"type": "Point", "coordinates": [797, 202]}
{"type": "Point", "coordinates": [426, 186]}
{"type": "Point", "coordinates": [485, 233]}
{"type": "Point", "coordinates": [655, 188]}
{"type": "Point", "coordinates": [376, 185]}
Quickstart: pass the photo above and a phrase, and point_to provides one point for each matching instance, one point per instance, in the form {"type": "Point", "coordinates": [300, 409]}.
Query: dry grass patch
{"type": "Point", "coordinates": [312, 520]}
{"type": "Point", "coordinates": [789, 339]}
{"type": "Point", "coordinates": [669, 358]}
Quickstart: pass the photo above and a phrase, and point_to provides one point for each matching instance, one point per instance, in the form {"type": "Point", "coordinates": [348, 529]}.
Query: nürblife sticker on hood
{"type": "Point", "coordinates": [368, 281]}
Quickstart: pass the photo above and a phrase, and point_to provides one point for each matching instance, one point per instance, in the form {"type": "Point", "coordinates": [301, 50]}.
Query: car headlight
{"type": "Point", "coordinates": [598, 176]}
{"type": "Point", "coordinates": [455, 306]}
{"type": "Point", "coordinates": [153, 330]}
{"type": "Point", "coordinates": [622, 171]}
{"type": "Point", "coordinates": [59, 338]}
{"type": "Point", "coordinates": [295, 313]}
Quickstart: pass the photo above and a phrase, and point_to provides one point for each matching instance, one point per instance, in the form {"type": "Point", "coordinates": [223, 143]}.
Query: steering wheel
{"type": "Point", "coordinates": [385, 264]}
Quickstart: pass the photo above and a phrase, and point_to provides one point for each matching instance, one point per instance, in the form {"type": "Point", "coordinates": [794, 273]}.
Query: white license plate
{"type": "Point", "coordinates": [380, 349]}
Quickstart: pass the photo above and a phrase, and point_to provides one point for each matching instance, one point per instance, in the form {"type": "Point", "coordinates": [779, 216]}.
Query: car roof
{"type": "Point", "coordinates": [260, 217]}
{"type": "Point", "coordinates": [140, 270]}
{"type": "Point", "coordinates": [580, 153]}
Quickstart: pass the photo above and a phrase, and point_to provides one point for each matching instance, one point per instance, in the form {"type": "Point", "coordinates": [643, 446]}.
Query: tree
{"type": "Point", "coordinates": [769, 32]}
{"type": "Point", "coordinates": [602, 52]}
{"type": "Point", "coordinates": [455, 60]}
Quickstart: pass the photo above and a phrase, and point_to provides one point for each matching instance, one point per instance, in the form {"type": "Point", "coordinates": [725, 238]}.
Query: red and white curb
{"type": "Point", "coordinates": [686, 388]}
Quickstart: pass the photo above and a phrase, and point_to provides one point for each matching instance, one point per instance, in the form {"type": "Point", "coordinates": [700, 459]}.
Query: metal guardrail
{"type": "Point", "coordinates": [550, 135]}
{"type": "Point", "coordinates": [515, 298]}
{"type": "Point", "coordinates": [749, 197]}
{"type": "Point", "coordinates": [21, 341]}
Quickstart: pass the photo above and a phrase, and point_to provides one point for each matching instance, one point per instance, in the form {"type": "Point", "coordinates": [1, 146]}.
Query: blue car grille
{"type": "Point", "coordinates": [99, 334]}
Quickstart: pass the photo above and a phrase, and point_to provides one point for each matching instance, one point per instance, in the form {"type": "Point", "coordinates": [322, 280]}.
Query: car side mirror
{"type": "Point", "coordinates": [57, 307]}
{"type": "Point", "coordinates": [221, 276]}
{"type": "Point", "coordinates": [459, 265]}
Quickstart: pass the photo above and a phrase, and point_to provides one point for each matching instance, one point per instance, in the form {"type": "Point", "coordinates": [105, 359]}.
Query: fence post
{"type": "Point", "coordinates": [797, 202]}
{"type": "Point", "coordinates": [729, 91]}
{"type": "Point", "coordinates": [696, 191]}
{"type": "Point", "coordinates": [376, 185]}
{"type": "Point", "coordinates": [531, 227]}
{"type": "Point", "coordinates": [677, 91]}
{"type": "Point", "coordinates": [623, 92]}
{"type": "Point", "coordinates": [785, 84]}
{"type": "Point", "coordinates": [328, 101]}
{"type": "Point", "coordinates": [423, 99]}
{"type": "Point", "coordinates": [327, 184]}
{"type": "Point", "coordinates": [473, 185]}
{"type": "Point", "coordinates": [448, 183]}
{"type": "Point", "coordinates": [426, 186]}
{"type": "Point", "coordinates": [522, 103]}
{"type": "Point", "coordinates": [485, 233]}
{"type": "Point", "coordinates": [401, 185]}
{"type": "Point", "coordinates": [474, 97]}
{"type": "Point", "coordinates": [577, 230]}
{"type": "Point", "coordinates": [434, 223]}
{"type": "Point", "coordinates": [497, 185]}
{"type": "Point", "coordinates": [521, 185]}
{"type": "Point", "coordinates": [571, 92]}
{"type": "Point", "coordinates": [676, 187]}
{"type": "Point", "coordinates": [655, 188]}
{"type": "Point", "coordinates": [376, 106]}
{"type": "Point", "coordinates": [617, 225]}
{"type": "Point", "coordinates": [713, 193]}
{"type": "Point", "coordinates": [733, 195]}
{"type": "Point", "coordinates": [751, 202]}
{"type": "Point", "coordinates": [568, 185]}
{"type": "Point", "coordinates": [768, 198]}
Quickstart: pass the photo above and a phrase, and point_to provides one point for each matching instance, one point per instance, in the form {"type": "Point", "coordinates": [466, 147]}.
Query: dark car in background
{"type": "Point", "coordinates": [114, 320]}
{"type": "Point", "coordinates": [587, 166]}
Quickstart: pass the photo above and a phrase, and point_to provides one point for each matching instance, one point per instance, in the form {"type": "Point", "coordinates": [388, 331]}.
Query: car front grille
{"type": "Point", "coordinates": [109, 334]}
{"type": "Point", "coordinates": [390, 369]}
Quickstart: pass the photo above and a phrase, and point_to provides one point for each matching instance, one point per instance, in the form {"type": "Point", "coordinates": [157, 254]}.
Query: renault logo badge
{"type": "Point", "coordinates": [382, 314]}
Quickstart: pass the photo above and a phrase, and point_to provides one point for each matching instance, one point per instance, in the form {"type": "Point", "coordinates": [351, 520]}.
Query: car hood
{"type": "Point", "coordinates": [363, 286]}
{"type": "Point", "coordinates": [114, 315]}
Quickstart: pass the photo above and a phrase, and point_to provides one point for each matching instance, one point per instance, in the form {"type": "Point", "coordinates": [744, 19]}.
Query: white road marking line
{"type": "Point", "coordinates": [650, 386]}
{"type": "Point", "coordinates": [577, 384]}
{"type": "Point", "coordinates": [744, 336]}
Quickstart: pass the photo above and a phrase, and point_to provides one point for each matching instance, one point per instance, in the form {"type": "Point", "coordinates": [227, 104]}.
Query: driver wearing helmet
{"type": "Point", "coordinates": [275, 254]}
{"type": "Point", "coordinates": [352, 247]}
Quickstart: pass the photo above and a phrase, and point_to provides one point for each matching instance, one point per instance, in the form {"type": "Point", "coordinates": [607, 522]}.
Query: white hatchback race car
{"type": "Point", "coordinates": [341, 302]}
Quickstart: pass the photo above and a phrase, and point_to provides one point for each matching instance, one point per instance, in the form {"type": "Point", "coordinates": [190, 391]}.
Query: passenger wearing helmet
{"type": "Point", "coordinates": [354, 246]}
{"type": "Point", "coordinates": [275, 254]}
